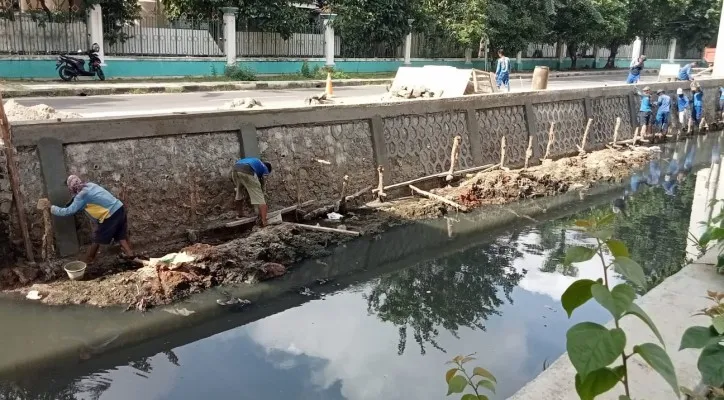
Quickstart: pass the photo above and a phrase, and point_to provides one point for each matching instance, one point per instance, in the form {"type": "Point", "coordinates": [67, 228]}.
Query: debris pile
{"type": "Point", "coordinates": [318, 99]}
{"type": "Point", "coordinates": [246, 102]}
{"type": "Point", "coordinates": [39, 112]}
{"type": "Point", "coordinates": [412, 92]}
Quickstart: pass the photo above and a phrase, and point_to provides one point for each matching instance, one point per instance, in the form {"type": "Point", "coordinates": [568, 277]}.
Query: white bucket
{"type": "Point", "coordinates": [75, 269]}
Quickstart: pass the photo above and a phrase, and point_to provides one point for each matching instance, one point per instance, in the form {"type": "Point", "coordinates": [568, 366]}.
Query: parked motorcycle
{"type": "Point", "coordinates": [70, 68]}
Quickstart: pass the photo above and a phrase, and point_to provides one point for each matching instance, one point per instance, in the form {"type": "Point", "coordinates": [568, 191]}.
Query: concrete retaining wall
{"type": "Point", "coordinates": [6, 203]}
{"type": "Point", "coordinates": [172, 170]}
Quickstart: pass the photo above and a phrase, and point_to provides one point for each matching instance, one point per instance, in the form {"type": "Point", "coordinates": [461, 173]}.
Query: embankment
{"type": "Point", "coordinates": [172, 170]}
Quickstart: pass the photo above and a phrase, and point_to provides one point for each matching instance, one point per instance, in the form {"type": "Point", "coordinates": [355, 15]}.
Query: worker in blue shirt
{"type": "Point", "coordinates": [502, 71]}
{"type": "Point", "coordinates": [685, 73]}
{"type": "Point", "coordinates": [645, 112]}
{"type": "Point", "coordinates": [248, 173]}
{"type": "Point", "coordinates": [635, 72]}
{"type": "Point", "coordinates": [682, 105]}
{"type": "Point", "coordinates": [698, 107]}
{"type": "Point", "coordinates": [663, 113]}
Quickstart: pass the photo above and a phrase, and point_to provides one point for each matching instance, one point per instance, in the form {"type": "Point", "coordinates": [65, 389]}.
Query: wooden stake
{"type": "Point", "coordinates": [47, 249]}
{"type": "Point", "coordinates": [615, 130]}
{"type": "Point", "coordinates": [358, 193]}
{"type": "Point", "coordinates": [502, 152]}
{"type": "Point", "coordinates": [453, 157]}
{"type": "Point", "coordinates": [343, 195]}
{"type": "Point", "coordinates": [551, 139]}
{"type": "Point", "coordinates": [438, 175]}
{"type": "Point", "coordinates": [582, 147]}
{"type": "Point", "coordinates": [636, 134]}
{"type": "Point", "coordinates": [440, 199]}
{"type": "Point", "coordinates": [19, 199]}
{"type": "Point", "coordinates": [528, 152]}
{"type": "Point", "coordinates": [381, 184]}
{"type": "Point", "coordinates": [691, 124]}
{"type": "Point", "coordinates": [325, 229]}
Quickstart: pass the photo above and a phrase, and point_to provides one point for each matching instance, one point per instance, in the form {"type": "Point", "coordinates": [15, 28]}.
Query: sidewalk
{"type": "Point", "coordinates": [11, 89]}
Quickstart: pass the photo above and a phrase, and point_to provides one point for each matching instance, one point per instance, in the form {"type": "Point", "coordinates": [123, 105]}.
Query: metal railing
{"type": "Point", "coordinates": [305, 42]}
{"type": "Point", "coordinates": [39, 33]}
{"type": "Point", "coordinates": [156, 35]}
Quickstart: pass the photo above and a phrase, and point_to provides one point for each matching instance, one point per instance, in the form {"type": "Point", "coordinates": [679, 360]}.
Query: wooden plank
{"type": "Point", "coordinates": [440, 199]}
{"type": "Point", "coordinates": [325, 229]}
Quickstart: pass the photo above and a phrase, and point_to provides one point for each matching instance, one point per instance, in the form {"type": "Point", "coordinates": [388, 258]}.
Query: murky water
{"type": "Point", "coordinates": [391, 318]}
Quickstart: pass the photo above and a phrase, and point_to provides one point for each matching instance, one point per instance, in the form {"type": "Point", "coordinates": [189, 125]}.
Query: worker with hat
{"type": "Point", "coordinates": [697, 108]}
{"type": "Point", "coordinates": [663, 113]}
{"type": "Point", "coordinates": [645, 112]}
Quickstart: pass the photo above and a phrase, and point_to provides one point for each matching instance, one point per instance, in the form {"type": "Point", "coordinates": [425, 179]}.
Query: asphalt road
{"type": "Point", "coordinates": [140, 104]}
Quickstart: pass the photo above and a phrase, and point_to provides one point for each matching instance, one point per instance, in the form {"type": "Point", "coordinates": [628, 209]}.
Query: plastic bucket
{"type": "Point", "coordinates": [75, 270]}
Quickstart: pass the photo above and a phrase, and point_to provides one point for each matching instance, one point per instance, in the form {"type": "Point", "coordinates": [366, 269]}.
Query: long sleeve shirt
{"type": "Point", "coordinates": [636, 67]}
{"type": "Point", "coordinates": [682, 102]}
{"type": "Point", "coordinates": [97, 202]}
{"type": "Point", "coordinates": [664, 103]}
{"type": "Point", "coordinates": [698, 98]}
{"type": "Point", "coordinates": [503, 66]}
{"type": "Point", "coordinates": [685, 73]}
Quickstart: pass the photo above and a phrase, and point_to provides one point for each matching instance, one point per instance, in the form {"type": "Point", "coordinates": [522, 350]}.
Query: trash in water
{"type": "Point", "coordinates": [233, 301]}
{"type": "Point", "coordinates": [333, 216]}
{"type": "Point", "coordinates": [179, 311]}
{"type": "Point", "coordinates": [305, 291]}
{"type": "Point", "coordinates": [33, 295]}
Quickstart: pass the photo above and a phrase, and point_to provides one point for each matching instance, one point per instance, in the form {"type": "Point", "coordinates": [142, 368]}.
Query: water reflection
{"type": "Point", "coordinates": [499, 298]}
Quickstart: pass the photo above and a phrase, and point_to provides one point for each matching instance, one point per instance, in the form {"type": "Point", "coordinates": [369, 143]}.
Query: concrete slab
{"type": "Point", "coordinates": [670, 305]}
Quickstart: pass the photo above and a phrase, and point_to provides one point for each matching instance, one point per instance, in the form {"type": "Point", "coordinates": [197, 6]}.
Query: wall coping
{"type": "Point", "coordinates": [28, 133]}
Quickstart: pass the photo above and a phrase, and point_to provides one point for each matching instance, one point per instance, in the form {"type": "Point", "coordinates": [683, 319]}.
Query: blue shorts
{"type": "Point", "coordinates": [633, 78]}
{"type": "Point", "coordinates": [113, 228]}
{"type": "Point", "coordinates": [663, 118]}
{"type": "Point", "coordinates": [698, 112]}
{"type": "Point", "coordinates": [503, 79]}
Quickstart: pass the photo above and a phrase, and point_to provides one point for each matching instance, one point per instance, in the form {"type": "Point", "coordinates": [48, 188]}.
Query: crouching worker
{"type": "Point", "coordinates": [249, 173]}
{"type": "Point", "coordinates": [107, 212]}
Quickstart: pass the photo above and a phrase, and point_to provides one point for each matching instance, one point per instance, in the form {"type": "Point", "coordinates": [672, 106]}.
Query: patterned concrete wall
{"type": "Point", "coordinates": [168, 184]}
{"type": "Point", "coordinates": [419, 145]}
{"type": "Point", "coordinates": [31, 184]}
{"type": "Point", "coordinates": [570, 119]}
{"type": "Point", "coordinates": [6, 202]}
{"type": "Point", "coordinates": [604, 112]}
{"type": "Point", "coordinates": [494, 123]}
{"type": "Point", "coordinates": [294, 150]}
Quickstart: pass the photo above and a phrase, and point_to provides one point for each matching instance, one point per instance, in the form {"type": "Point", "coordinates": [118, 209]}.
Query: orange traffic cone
{"type": "Point", "coordinates": [328, 90]}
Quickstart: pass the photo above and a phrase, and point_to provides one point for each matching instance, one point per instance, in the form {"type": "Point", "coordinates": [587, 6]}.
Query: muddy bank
{"type": "Point", "coordinates": [266, 253]}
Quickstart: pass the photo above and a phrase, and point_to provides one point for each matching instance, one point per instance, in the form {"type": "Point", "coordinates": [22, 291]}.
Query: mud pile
{"type": "Point", "coordinates": [266, 253]}
{"type": "Point", "coordinates": [17, 112]}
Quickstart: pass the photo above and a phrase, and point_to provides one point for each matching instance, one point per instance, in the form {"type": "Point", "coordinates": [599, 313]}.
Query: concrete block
{"type": "Point", "coordinates": [248, 141]}
{"type": "Point", "coordinates": [52, 166]}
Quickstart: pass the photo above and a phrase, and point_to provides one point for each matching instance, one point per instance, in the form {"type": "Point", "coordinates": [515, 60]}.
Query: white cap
{"type": "Point", "coordinates": [679, 91]}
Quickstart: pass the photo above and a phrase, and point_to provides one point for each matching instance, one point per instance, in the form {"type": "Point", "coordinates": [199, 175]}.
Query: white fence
{"type": "Point", "coordinates": [23, 35]}
{"type": "Point", "coordinates": [269, 44]}
{"type": "Point", "coordinates": [167, 42]}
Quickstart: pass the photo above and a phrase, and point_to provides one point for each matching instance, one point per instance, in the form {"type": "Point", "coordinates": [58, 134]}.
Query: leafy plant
{"type": "Point", "coordinates": [714, 232]}
{"type": "Point", "coordinates": [306, 71]}
{"type": "Point", "coordinates": [592, 348]}
{"type": "Point", "coordinates": [239, 73]}
{"type": "Point", "coordinates": [322, 73]}
{"type": "Point", "coordinates": [458, 379]}
{"type": "Point", "coordinates": [708, 339]}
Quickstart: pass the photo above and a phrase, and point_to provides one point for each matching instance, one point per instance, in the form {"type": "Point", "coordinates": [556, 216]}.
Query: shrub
{"type": "Point", "coordinates": [306, 71]}
{"type": "Point", "coordinates": [239, 73]}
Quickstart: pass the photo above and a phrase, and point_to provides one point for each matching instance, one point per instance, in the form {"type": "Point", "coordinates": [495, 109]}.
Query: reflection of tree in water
{"type": "Point", "coordinates": [552, 238]}
{"type": "Point", "coordinates": [459, 290]}
{"type": "Point", "coordinates": [86, 388]}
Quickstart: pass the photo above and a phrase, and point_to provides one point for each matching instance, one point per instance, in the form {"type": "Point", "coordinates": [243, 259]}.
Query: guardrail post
{"type": "Point", "coordinates": [230, 34]}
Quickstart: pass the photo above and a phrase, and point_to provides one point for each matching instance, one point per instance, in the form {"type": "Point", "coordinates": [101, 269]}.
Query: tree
{"type": "Point", "coordinates": [513, 24]}
{"type": "Point", "coordinates": [463, 21]}
{"type": "Point", "coordinates": [572, 21]}
{"type": "Point", "coordinates": [116, 14]}
{"type": "Point", "coordinates": [696, 23]}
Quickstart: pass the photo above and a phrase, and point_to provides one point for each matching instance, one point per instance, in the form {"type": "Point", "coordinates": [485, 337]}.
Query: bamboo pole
{"type": "Point", "coordinates": [248, 220]}
{"type": "Point", "coordinates": [502, 152]}
{"type": "Point", "coordinates": [615, 130]}
{"type": "Point", "coordinates": [325, 229]}
{"type": "Point", "coordinates": [440, 199]}
{"type": "Point", "coordinates": [19, 199]}
{"type": "Point", "coordinates": [343, 195]}
{"type": "Point", "coordinates": [484, 168]}
{"type": "Point", "coordinates": [582, 147]}
{"type": "Point", "coordinates": [551, 140]}
{"type": "Point", "coordinates": [453, 157]}
{"type": "Point", "coordinates": [528, 152]}
{"type": "Point", "coordinates": [358, 193]}
{"type": "Point", "coordinates": [47, 248]}
{"type": "Point", "coordinates": [381, 183]}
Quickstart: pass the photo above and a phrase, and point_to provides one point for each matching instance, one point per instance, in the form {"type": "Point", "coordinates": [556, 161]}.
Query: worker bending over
{"type": "Point", "coordinates": [250, 172]}
{"type": "Point", "coordinates": [685, 73]}
{"type": "Point", "coordinates": [107, 213]}
{"type": "Point", "coordinates": [663, 113]}
{"type": "Point", "coordinates": [697, 113]}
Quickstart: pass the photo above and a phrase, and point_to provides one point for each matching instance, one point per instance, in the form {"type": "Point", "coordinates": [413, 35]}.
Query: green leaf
{"type": "Point", "coordinates": [718, 323]}
{"type": "Point", "coordinates": [620, 371]}
{"type": "Point", "coordinates": [602, 233]}
{"type": "Point", "coordinates": [487, 384]}
{"type": "Point", "coordinates": [705, 238]}
{"type": "Point", "coordinates": [479, 371]}
{"type": "Point", "coordinates": [591, 346]}
{"type": "Point", "coordinates": [606, 219]}
{"type": "Point", "coordinates": [577, 254]}
{"type": "Point", "coordinates": [637, 311]}
{"type": "Point", "coordinates": [597, 382]}
{"type": "Point", "coordinates": [482, 397]}
{"type": "Point", "coordinates": [617, 247]}
{"type": "Point", "coordinates": [698, 337]}
{"type": "Point", "coordinates": [631, 270]}
{"type": "Point", "coordinates": [584, 223]}
{"type": "Point", "coordinates": [711, 365]}
{"type": "Point", "coordinates": [616, 301]}
{"type": "Point", "coordinates": [469, 397]}
{"type": "Point", "coordinates": [657, 358]}
{"type": "Point", "coordinates": [456, 385]}
{"type": "Point", "coordinates": [576, 295]}
{"type": "Point", "coordinates": [450, 373]}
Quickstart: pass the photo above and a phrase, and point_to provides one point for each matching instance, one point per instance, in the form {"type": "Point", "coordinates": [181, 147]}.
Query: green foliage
{"type": "Point", "coordinates": [458, 379]}
{"type": "Point", "coordinates": [306, 71]}
{"type": "Point", "coordinates": [321, 73]}
{"type": "Point", "coordinates": [708, 339]}
{"type": "Point", "coordinates": [592, 348]}
{"type": "Point", "coordinates": [239, 73]}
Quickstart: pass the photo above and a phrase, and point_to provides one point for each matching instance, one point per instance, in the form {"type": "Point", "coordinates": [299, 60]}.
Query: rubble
{"type": "Point", "coordinates": [412, 92]}
{"type": "Point", "coordinates": [17, 112]}
{"type": "Point", "coordinates": [246, 102]}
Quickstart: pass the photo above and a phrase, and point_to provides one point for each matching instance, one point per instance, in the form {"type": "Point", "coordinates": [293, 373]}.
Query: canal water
{"type": "Point", "coordinates": [388, 319]}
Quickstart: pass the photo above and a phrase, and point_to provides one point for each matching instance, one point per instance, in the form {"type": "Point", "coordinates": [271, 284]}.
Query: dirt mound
{"type": "Point", "coordinates": [17, 112]}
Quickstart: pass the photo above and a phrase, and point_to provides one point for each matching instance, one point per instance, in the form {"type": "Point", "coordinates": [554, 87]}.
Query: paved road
{"type": "Point", "coordinates": [117, 105]}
